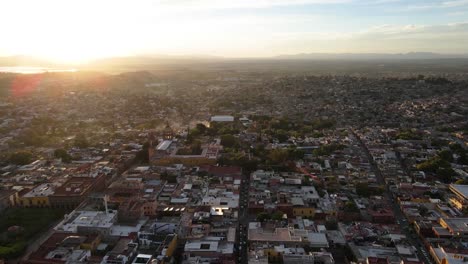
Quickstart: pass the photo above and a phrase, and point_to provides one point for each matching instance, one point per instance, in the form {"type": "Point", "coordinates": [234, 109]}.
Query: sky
{"type": "Point", "coordinates": [82, 30]}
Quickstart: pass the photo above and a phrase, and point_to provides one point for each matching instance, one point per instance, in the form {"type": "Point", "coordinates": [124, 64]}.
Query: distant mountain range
{"type": "Point", "coordinates": [373, 56]}
{"type": "Point", "coordinates": [168, 59]}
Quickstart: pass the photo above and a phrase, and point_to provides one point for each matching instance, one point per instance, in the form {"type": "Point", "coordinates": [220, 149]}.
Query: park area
{"type": "Point", "coordinates": [19, 226]}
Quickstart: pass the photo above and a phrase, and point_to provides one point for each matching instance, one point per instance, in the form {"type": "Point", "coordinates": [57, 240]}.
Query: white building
{"type": "Point", "coordinates": [85, 222]}
{"type": "Point", "coordinates": [222, 118]}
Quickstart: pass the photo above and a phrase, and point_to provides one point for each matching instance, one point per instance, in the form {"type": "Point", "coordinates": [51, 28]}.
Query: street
{"type": "Point", "coordinates": [405, 226]}
{"type": "Point", "coordinates": [243, 221]}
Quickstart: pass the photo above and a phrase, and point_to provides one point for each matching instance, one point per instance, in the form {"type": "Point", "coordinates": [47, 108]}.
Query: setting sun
{"type": "Point", "coordinates": [68, 31]}
{"type": "Point", "coordinates": [79, 31]}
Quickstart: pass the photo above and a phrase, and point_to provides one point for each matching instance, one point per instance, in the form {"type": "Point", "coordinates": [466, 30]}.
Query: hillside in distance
{"type": "Point", "coordinates": [373, 56]}
{"type": "Point", "coordinates": [313, 63]}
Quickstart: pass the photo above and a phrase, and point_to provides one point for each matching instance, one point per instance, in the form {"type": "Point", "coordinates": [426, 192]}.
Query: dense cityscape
{"type": "Point", "coordinates": [233, 166]}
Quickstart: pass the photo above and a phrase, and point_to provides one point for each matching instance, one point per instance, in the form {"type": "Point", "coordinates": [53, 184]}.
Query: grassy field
{"type": "Point", "coordinates": [32, 221]}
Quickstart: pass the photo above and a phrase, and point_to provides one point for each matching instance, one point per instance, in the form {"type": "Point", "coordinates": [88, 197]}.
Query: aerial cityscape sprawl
{"type": "Point", "coordinates": [233, 167]}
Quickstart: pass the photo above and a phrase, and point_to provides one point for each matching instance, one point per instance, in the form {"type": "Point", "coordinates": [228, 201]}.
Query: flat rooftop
{"type": "Point", "coordinates": [75, 186]}
{"type": "Point", "coordinates": [460, 189]}
{"type": "Point", "coordinates": [456, 224]}
{"type": "Point", "coordinates": [277, 235]}
{"type": "Point", "coordinates": [201, 246]}
{"type": "Point", "coordinates": [222, 118]}
{"type": "Point", "coordinates": [164, 145]}
{"type": "Point", "coordinates": [98, 219]}
{"type": "Point", "coordinates": [42, 190]}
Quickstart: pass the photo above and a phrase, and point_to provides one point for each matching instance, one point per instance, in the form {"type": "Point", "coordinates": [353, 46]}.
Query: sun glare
{"type": "Point", "coordinates": [68, 31]}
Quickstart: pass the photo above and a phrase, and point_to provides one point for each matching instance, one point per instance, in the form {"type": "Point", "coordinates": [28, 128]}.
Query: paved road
{"type": "Point", "coordinates": [414, 240]}
{"type": "Point", "coordinates": [243, 221]}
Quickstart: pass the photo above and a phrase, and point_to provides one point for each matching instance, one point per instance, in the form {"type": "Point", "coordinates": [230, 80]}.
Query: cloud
{"type": "Point", "coordinates": [227, 4]}
{"type": "Point", "coordinates": [444, 4]}
{"type": "Point", "coordinates": [446, 38]}
{"type": "Point", "coordinates": [455, 3]}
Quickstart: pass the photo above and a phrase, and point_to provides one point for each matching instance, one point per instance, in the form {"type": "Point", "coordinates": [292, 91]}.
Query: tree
{"type": "Point", "coordinates": [296, 154]}
{"type": "Point", "coordinates": [170, 178]}
{"type": "Point", "coordinates": [463, 154]}
{"type": "Point", "coordinates": [445, 174]}
{"type": "Point", "coordinates": [409, 135]}
{"type": "Point", "coordinates": [326, 150]}
{"type": "Point", "coordinates": [281, 135]}
{"type": "Point", "coordinates": [423, 210]}
{"type": "Point", "coordinates": [81, 141]}
{"type": "Point", "coordinates": [201, 128]}
{"type": "Point", "coordinates": [196, 147]}
{"type": "Point", "coordinates": [462, 182]}
{"type": "Point", "coordinates": [228, 141]}
{"type": "Point", "coordinates": [351, 207]}
{"type": "Point", "coordinates": [463, 159]}
{"type": "Point", "coordinates": [278, 156]}
{"type": "Point", "coordinates": [278, 215]}
{"type": "Point", "coordinates": [143, 154]}
{"type": "Point", "coordinates": [261, 217]}
{"type": "Point", "coordinates": [362, 189]}
{"type": "Point", "coordinates": [331, 225]}
{"type": "Point", "coordinates": [214, 180]}
{"type": "Point", "coordinates": [21, 158]}
{"type": "Point", "coordinates": [63, 155]}
{"type": "Point", "coordinates": [446, 155]}
{"type": "Point", "coordinates": [306, 181]}
{"type": "Point", "coordinates": [432, 164]}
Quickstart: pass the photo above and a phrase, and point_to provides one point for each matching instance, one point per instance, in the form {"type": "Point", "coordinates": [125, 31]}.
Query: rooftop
{"type": "Point", "coordinates": [450, 257]}
{"type": "Point", "coordinates": [164, 145]}
{"type": "Point", "coordinates": [460, 189]}
{"type": "Point", "coordinates": [201, 246]}
{"type": "Point", "coordinates": [222, 118]}
{"type": "Point", "coordinates": [455, 224]}
{"type": "Point", "coordinates": [276, 235]}
{"type": "Point", "coordinates": [42, 190]}
{"type": "Point", "coordinates": [98, 219]}
{"type": "Point", "coordinates": [75, 186]}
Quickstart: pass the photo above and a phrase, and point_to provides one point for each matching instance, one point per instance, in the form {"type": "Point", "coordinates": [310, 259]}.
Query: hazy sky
{"type": "Point", "coordinates": [77, 30]}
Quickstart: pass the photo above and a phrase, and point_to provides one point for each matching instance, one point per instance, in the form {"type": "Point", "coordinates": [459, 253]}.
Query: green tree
{"type": "Point", "coordinates": [307, 181]}
{"type": "Point", "coordinates": [281, 135]}
{"type": "Point", "coordinates": [331, 225]}
{"type": "Point", "coordinates": [446, 155]}
{"type": "Point", "coordinates": [423, 210]}
{"type": "Point", "coordinates": [81, 141]}
{"type": "Point", "coordinates": [326, 150]}
{"type": "Point", "coordinates": [432, 164]}
{"type": "Point", "coordinates": [201, 128]}
{"type": "Point", "coordinates": [409, 135]}
{"type": "Point", "coordinates": [261, 217]}
{"type": "Point", "coordinates": [278, 156]}
{"type": "Point", "coordinates": [296, 154]}
{"type": "Point", "coordinates": [278, 215]}
{"type": "Point", "coordinates": [463, 159]}
{"type": "Point", "coordinates": [170, 178]}
{"type": "Point", "coordinates": [196, 147]}
{"type": "Point", "coordinates": [21, 158]}
{"type": "Point", "coordinates": [143, 154]}
{"type": "Point", "coordinates": [445, 174]}
{"type": "Point", "coordinates": [350, 206]}
{"type": "Point", "coordinates": [62, 154]}
{"type": "Point", "coordinates": [462, 182]}
{"type": "Point", "coordinates": [362, 189]}
{"type": "Point", "coordinates": [228, 141]}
